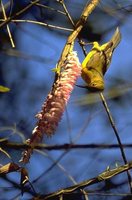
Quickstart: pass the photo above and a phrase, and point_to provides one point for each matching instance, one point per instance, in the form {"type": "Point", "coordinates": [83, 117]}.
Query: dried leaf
{"type": "Point", "coordinates": [10, 167]}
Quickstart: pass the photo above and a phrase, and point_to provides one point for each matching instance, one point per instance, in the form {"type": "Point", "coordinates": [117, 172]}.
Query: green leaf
{"type": "Point", "coordinates": [56, 70]}
{"type": "Point", "coordinates": [4, 89]}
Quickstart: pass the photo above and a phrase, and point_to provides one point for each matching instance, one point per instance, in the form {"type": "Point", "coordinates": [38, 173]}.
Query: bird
{"type": "Point", "coordinates": [97, 61]}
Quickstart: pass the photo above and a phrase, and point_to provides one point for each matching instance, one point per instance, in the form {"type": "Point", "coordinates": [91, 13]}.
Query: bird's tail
{"type": "Point", "coordinates": [116, 38]}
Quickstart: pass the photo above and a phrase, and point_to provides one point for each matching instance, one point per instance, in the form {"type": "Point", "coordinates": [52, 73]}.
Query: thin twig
{"type": "Point", "coordinates": [59, 166]}
{"type": "Point", "coordinates": [65, 172]}
{"type": "Point", "coordinates": [18, 13]}
{"type": "Point", "coordinates": [117, 135]}
{"type": "Point", "coordinates": [50, 8]}
{"type": "Point", "coordinates": [67, 13]}
{"type": "Point", "coordinates": [43, 24]}
{"type": "Point", "coordinates": [13, 145]}
{"type": "Point", "coordinates": [39, 23]}
{"type": "Point", "coordinates": [8, 29]}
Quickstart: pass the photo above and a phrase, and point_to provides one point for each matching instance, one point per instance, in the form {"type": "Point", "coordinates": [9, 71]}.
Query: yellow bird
{"type": "Point", "coordinates": [97, 62]}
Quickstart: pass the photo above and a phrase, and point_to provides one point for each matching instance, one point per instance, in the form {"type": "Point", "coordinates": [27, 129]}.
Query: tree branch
{"type": "Point", "coordinates": [101, 177]}
{"type": "Point", "coordinates": [12, 145]}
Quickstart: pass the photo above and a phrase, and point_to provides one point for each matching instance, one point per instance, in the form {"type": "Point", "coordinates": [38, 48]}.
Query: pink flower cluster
{"type": "Point", "coordinates": [54, 106]}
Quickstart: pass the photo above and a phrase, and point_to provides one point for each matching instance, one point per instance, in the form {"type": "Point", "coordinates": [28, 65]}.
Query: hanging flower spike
{"type": "Point", "coordinates": [54, 106]}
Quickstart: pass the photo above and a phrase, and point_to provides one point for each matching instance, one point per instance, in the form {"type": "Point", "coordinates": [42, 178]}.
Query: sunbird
{"type": "Point", "coordinates": [97, 62]}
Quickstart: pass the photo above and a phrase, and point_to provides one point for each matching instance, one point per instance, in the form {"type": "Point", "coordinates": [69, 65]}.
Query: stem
{"type": "Point", "coordinates": [116, 134]}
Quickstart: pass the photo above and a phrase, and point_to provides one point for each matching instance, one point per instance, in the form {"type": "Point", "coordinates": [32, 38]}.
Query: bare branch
{"type": "Point", "coordinates": [18, 13]}
{"type": "Point", "coordinates": [8, 29]}
{"type": "Point", "coordinates": [101, 177]}
{"type": "Point", "coordinates": [50, 8]}
{"type": "Point", "coordinates": [40, 23]}
{"type": "Point", "coordinates": [67, 146]}
{"type": "Point", "coordinates": [117, 136]}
